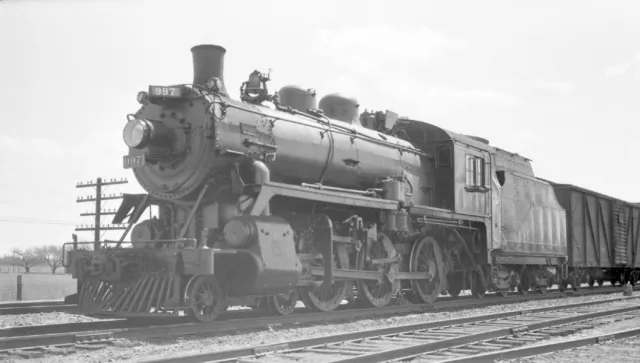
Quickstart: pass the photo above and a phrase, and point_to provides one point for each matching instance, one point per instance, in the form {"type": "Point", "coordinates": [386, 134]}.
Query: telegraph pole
{"type": "Point", "coordinates": [97, 228]}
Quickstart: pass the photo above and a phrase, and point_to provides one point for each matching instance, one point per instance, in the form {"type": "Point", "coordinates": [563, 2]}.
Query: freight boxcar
{"type": "Point", "coordinates": [603, 235]}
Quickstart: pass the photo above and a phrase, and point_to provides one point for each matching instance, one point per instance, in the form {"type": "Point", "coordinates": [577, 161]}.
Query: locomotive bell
{"type": "Point", "coordinates": [208, 61]}
{"type": "Point", "coordinates": [340, 107]}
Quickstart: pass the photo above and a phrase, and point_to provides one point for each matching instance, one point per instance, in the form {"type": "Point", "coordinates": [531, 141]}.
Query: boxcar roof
{"type": "Point", "coordinates": [587, 191]}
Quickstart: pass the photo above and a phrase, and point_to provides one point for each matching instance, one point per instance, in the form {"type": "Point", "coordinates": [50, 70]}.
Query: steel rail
{"type": "Point", "coordinates": [109, 324]}
{"type": "Point", "coordinates": [528, 351]}
{"type": "Point", "coordinates": [31, 307]}
{"type": "Point", "coordinates": [21, 304]}
{"type": "Point", "coordinates": [36, 308]}
{"type": "Point", "coordinates": [471, 338]}
{"type": "Point", "coordinates": [243, 354]}
{"type": "Point", "coordinates": [65, 335]}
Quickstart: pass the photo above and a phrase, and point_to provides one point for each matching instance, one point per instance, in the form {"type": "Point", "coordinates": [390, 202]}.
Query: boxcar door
{"type": "Point", "coordinates": [497, 181]}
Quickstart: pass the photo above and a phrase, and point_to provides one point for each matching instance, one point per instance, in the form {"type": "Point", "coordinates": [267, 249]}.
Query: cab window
{"type": "Point", "coordinates": [476, 172]}
{"type": "Point", "coordinates": [443, 153]}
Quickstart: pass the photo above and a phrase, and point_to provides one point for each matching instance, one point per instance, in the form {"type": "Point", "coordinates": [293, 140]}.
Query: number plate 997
{"type": "Point", "coordinates": [161, 91]}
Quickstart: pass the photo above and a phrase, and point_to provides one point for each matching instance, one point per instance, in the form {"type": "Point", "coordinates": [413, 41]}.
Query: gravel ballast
{"type": "Point", "coordinates": [11, 321]}
{"type": "Point", "coordinates": [133, 351]}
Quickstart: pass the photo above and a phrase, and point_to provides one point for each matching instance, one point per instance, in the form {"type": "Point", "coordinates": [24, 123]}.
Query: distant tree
{"type": "Point", "coordinates": [25, 258]}
{"type": "Point", "coordinates": [52, 255]}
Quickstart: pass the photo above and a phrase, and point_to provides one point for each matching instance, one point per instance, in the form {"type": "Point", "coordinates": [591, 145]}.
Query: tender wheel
{"type": "Point", "coordinates": [325, 299]}
{"type": "Point", "coordinates": [478, 289]}
{"type": "Point", "coordinates": [374, 293]}
{"type": "Point", "coordinates": [425, 258]}
{"type": "Point", "coordinates": [283, 304]}
{"type": "Point", "coordinates": [204, 298]}
{"type": "Point", "coordinates": [455, 280]}
{"type": "Point", "coordinates": [591, 281]}
{"type": "Point", "coordinates": [562, 285]}
{"type": "Point", "coordinates": [525, 282]}
{"type": "Point", "coordinates": [575, 282]}
{"type": "Point", "coordinates": [600, 282]}
{"type": "Point", "coordinates": [613, 281]}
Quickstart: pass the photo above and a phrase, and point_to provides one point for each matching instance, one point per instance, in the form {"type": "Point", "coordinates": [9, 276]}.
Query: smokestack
{"type": "Point", "coordinates": [208, 61]}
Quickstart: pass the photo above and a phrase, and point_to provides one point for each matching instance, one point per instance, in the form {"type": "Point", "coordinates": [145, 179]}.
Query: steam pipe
{"type": "Point", "coordinates": [208, 61]}
{"type": "Point", "coordinates": [262, 176]}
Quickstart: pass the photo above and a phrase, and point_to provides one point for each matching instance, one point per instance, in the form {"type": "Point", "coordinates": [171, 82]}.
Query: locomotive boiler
{"type": "Point", "coordinates": [276, 198]}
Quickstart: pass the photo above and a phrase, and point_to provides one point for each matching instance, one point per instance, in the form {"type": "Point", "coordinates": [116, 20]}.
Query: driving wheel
{"type": "Point", "coordinates": [425, 258]}
{"type": "Point", "coordinates": [371, 292]}
{"type": "Point", "coordinates": [322, 298]}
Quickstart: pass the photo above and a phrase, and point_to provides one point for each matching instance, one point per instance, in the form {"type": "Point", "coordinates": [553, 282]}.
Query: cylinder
{"type": "Point", "coordinates": [208, 61]}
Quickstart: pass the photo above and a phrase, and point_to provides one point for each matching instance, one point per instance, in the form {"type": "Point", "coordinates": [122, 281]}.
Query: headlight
{"type": "Point", "coordinates": [136, 133]}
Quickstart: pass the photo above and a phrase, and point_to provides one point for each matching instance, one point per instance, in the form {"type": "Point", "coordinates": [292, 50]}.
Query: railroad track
{"type": "Point", "coordinates": [475, 339]}
{"type": "Point", "coordinates": [35, 307]}
{"type": "Point", "coordinates": [31, 307]}
{"type": "Point", "coordinates": [21, 304]}
{"type": "Point", "coordinates": [38, 339]}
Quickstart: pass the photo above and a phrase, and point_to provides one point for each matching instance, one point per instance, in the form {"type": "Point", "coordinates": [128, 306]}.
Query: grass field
{"type": "Point", "coordinates": [36, 286]}
{"type": "Point", "coordinates": [36, 269]}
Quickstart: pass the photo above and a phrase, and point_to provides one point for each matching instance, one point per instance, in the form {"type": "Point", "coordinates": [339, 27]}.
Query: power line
{"type": "Point", "coordinates": [98, 199]}
{"type": "Point", "coordinates": [37, 221]}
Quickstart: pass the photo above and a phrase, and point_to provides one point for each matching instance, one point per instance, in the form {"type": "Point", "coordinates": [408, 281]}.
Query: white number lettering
{"type": "Point", "coordinates": [157, 90]}
{"type": "Point", "coordinates": [165, 91]}
{"type": "Point", "coordinates": [173, 91]}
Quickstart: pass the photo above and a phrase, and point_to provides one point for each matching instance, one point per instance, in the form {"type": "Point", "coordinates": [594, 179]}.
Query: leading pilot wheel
{"type": "Point", "coordinates": [283, 304]}
{"type": "Point", "coordinates": [204, 298]}
{"type": "Point", "coordinates": [425, 256]}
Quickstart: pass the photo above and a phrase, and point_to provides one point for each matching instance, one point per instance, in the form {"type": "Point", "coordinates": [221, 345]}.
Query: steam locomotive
{"type": "Point", "coordinates": [277, 198]}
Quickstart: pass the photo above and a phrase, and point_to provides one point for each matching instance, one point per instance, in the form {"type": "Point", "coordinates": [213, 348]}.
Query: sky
{"type": "Point", "coordinates": [557, 82]}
